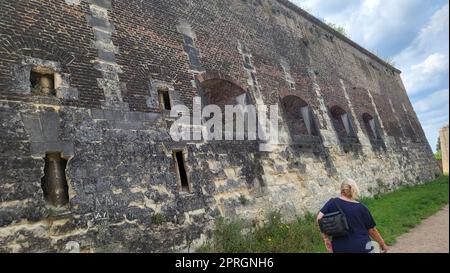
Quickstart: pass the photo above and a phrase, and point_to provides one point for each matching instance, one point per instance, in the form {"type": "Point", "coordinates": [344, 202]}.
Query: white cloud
{"type": "Point", "coordinates": [433, 113]}
{"type": "Point", "coordinates": [384, 26]}
{"type": "Point", "coordinates": [425, 65]}
{"type": "Point", "coordinates": [434, 63]}
{"type": "Point", "coordinates": [432, 102]}
{"type": "Point", "coordinates": [429, 74]}
{"type": "Point", "coordinates": [425, 62]}
{"type": "Point", "coordinates": [433, 37]}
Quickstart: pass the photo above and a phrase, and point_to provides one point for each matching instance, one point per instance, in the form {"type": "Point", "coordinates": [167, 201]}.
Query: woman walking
{"type": "Point", "coordinates": [361, 225]}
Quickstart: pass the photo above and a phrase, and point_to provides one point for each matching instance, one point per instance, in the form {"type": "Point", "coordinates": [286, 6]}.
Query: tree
{"type": "Point", "coordinates": [438, 153]}
{"type": "Point", "coordinates": [438, 145]}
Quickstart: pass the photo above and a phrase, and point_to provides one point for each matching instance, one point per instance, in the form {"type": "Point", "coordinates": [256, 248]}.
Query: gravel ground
{"type": "Point", "coordinates": [431, 236]}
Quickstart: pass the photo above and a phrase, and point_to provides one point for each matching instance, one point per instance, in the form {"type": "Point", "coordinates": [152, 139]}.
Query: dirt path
{"type": "Point", "coordinates": [431, 236]}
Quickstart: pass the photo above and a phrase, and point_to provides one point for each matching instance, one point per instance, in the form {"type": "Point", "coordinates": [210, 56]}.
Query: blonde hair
{"type": "Point", "coordinates": [350, 189]}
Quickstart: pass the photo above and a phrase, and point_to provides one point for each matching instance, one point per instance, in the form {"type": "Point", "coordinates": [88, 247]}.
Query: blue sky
{"type": "Point", "coordinates": [412, 33]}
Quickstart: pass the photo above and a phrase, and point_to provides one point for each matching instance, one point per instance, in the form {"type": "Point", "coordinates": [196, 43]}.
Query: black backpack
{"type": "Point", "coordinates": [334, 224]}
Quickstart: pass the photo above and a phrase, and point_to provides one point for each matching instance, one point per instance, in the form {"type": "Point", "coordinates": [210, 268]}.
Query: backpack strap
{"type": "Point", "coordinates": [337, 205]}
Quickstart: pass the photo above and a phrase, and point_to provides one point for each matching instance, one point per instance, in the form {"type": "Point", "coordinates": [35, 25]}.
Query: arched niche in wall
{"type": "Point", "coordinates": [371, 126]}
{"type": "Point", "coordinates": [373, 131]}
{"type": "Point", "coordinates": [221, 90]}
{"type": "Point", "coordinates": [343, 124]}
{"type": "Point", "coordinates": [300, 120]}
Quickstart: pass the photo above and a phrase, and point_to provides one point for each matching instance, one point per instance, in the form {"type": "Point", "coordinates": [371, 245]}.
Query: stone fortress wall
{"type": "Point", "coordinates": [86, 160]}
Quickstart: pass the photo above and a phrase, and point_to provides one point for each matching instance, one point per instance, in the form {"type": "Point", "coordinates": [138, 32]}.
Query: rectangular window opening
{"type": "Point", "coordinates": [54, 183]}
{"type": "Point", "coordinates": [42, 82]}
{"type": "Point", "coordinates": [181, 169]}
{"type": "Point", "coordinates": [164, 98]}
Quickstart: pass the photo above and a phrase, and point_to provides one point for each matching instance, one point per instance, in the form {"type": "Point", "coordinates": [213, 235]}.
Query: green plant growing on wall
{"type": "Point", "coordinates": [338, 28]}
{"type": "Point", "coordinates": [158, 219]}
{"type": "Point", "coordinates": [52, 212]}
{"type": "Point", "coordinates": [387, 60]}
{"type": "Point", "coordinates": [244, 200]}
{"type": "Point", "coordinates": [56, 212]}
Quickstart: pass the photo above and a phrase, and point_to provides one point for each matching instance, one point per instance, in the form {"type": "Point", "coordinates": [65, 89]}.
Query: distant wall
{"type": "Point", "coordinates": [443, 133]}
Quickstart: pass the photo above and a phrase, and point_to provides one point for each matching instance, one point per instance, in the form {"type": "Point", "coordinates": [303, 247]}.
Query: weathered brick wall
{"type": "Point", "coordinates": [50, 31]}
{"type": "Point", "coordinates": [106, 120]}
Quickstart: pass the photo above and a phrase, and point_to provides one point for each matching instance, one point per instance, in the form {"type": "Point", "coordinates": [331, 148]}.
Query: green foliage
{"type": "Point", "coordinates": [244, 200]}
{"type": "Point", "coordinates": [438, 155]}
{"type": "Point", "coordinates": [158, 219]}
{"type": "Point", "coordinates": [273, 237]}
{"type": "Point", "coordinates": [52, 212]}
{"type": "Point", "coordinates": [55, 212]}
{"type": "Point", "coordinates": [339, 29]}
{"type": "Point", "coordinates": [396, 213]}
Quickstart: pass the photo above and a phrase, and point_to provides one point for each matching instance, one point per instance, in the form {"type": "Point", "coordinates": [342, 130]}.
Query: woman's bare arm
{"type": "Point", "coordinates": [325, 237]}
{"type": "Point", "coordinates": [375, 234]}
